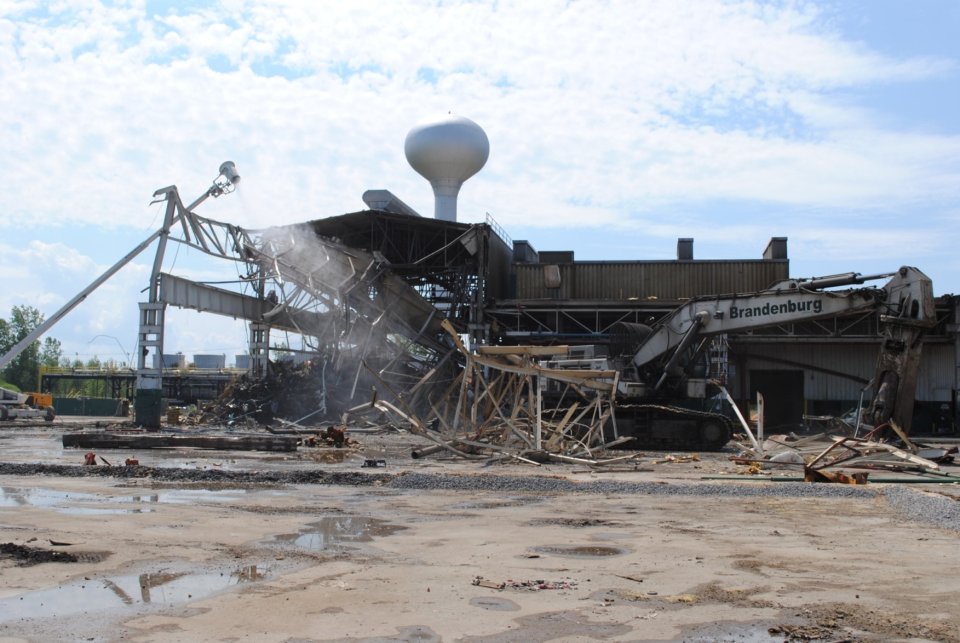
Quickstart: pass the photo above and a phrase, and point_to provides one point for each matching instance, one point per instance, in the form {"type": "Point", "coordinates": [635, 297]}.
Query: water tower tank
{"type": "Point", "coordinates": [447, 151]}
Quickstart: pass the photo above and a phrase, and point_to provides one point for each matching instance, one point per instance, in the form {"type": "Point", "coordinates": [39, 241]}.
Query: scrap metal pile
{"type": "Point", "coordinates": [288, 391]}
{"type": "Point", "coordinates": [361, 325]}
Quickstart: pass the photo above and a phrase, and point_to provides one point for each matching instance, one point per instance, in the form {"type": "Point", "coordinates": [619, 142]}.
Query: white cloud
{"type": "Point", "coordinates": [600, 114]}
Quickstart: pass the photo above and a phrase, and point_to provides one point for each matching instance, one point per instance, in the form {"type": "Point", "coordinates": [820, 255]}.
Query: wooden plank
{"type": "Point", "coordinates": [477, 378]}
{"type": "Point", "coordinates": [567, 416]}
{"type": "Point", "coordinates": [903, 436]}
{"type": "Point", "coordinates": [837, 442]}
{"type": "Point", "coordinates": [607, 445]}
{"type": "Point", "coordinates": [167, 441]}
{"type": "Point", "coordinates": [915, 459]}
{"type": "Point", "coordinates": [443, 423]}
{"type": "Point", "coordinates": [432, 371]}
{"type": "Point", "coordinates": [556, 457]}
{"type": "Point", "coordinates": [596, 428]}
{"type": "Point", "coordinates": [599, 379]}
{"type": "Point", "coordinates": [454, 335]}
{"type": "Point", "coordinates": [467, 372]}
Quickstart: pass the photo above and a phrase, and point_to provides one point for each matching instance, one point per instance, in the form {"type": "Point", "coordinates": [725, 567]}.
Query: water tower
{"type": "Point", "coordinates": [447, 151]}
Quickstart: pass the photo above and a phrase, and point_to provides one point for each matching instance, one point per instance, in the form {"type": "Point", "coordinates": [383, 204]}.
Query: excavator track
{"type": "Point", "coordinates": [660, 426]}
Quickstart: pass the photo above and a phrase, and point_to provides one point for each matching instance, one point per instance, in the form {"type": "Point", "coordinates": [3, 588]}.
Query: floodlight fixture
{"type": "Point", "coordinates": [226, 181]}
{"type": "Point", "coordinates": [228, 170]}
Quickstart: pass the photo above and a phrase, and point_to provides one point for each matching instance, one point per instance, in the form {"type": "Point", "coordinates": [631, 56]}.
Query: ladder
{"type": "Point", "coordinates": [719, 358]}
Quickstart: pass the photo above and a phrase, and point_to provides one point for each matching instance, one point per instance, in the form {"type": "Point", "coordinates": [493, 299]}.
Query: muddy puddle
{"type": "Point", "coordinates": [170, 586]}
{"type": "Point", "coordinates": [333, 531]}
{"type": "Point", "coordinates": [78, 503]}
{"type": "Point", "coordinates": [580, 551]}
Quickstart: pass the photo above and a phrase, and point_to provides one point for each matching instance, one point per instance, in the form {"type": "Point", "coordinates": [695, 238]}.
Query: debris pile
{"type": "Point", "coordinates": [506, 406]}
{"type": "Point", "coordinates": [288, 391]}
{"type": "Point", "coordinates": [371, 331]}
{"type": "Point", "coordinates": [26, 555]}
{"type": "Point", "coordinates": [366, 325]}
{"type": "Point", "coordinates": [846, 459]}
{"type": "Point", "coordinates": [530, 585]}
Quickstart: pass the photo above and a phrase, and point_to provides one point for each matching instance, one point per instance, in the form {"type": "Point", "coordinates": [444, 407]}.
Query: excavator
{"type": "Point", "coordinates": [665, 398]}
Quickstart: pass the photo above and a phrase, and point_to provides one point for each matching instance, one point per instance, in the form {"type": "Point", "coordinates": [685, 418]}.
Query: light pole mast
{"type": "Point", "coordinates": [149, 394]}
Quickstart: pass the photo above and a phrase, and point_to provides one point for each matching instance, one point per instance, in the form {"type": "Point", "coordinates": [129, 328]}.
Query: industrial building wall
{"type": "Point", "coordinates": [642, 280]}
{"type": "Point", "coordinates": [937, 367]}
{"type": "Point", "coordinates": [857, 360]}
{"type": "Point", "coordinates": [499, 258]}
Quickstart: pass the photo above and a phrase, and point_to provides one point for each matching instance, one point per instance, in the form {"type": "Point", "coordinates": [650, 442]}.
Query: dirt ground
{"type": "Point", "coordinates": [155, 560]}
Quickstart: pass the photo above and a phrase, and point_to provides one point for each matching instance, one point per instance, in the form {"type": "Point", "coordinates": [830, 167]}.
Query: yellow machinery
{"type": "Point", "coordinates": [15, 405]}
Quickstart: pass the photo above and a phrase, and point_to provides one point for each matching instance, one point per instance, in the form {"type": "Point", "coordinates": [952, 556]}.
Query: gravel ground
{"type": "Point", "coordinates": [168, 474]}
{"type": "Point", "coordinates": [745, 559]}
{"type": "Point", "coordinates": [549, 484]}
{"type": "Point", "coordinates": [919, 506]}
{"type": "Point", "coordinates": [925, 507]}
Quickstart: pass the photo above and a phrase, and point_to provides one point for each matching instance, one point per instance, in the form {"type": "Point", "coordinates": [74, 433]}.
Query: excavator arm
{"type": "Point", "coordinates": [908, 312]}
{"type": "Point", "coordinates": [905, 306]}
{"type": "Point", "coordinates": [785, 303]}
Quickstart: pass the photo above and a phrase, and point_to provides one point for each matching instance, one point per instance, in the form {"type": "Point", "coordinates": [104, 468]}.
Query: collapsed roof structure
{"type": "Point", "coordinates": [381, 297]}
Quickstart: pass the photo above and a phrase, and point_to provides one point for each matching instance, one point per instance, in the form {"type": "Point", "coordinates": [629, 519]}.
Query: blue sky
{"type": "Point", "coordinates": [615, 128]}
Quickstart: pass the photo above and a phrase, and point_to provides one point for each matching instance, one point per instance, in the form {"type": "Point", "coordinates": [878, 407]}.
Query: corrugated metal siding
{"type": "Point", "coordinates": [936, 373]}
{"type": "Point", "coordinates": [858, 360]}
{"type": "Point", "coordinates": [933, 384]}
{"type": "Point", "coordinates": [668, 280]}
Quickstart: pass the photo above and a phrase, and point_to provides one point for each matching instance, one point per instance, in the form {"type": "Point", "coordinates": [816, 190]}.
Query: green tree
{"type": "Point", "coordinates": [50, 353]}
{"type": "Point", "coordinates": [24, 369]}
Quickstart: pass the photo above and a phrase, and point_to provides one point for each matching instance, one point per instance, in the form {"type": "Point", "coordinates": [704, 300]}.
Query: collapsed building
{"type": "Point", "coordinates": [383, 298]}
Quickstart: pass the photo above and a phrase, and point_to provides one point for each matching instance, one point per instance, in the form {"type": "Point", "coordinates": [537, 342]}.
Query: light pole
{"type": "Point", "coordinates": [224, 183]}
{"type": "Point", "coordinates": [149, 396]}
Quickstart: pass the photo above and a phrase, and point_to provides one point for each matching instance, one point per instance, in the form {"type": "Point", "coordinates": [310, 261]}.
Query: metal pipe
{"type": "Point", "coordinates": [70, 305]}
{"type": "Point", "coordinates": [743, 422]}
{"type": "Point", "coordinates": [685, 343]}
{"type": "Point", "coordinates": [845, 279]}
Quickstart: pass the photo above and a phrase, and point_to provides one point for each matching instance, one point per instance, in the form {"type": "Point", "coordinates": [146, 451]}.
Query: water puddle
{"type": "Point", "coordinates": [21, 497]}
{"type": "Point", "coordinates": [331, 531]}
{"type": "Point", "coordinates": [194, 496]}
{"type": "Point", "coordinates": [74, 503]}
{"type": "Point", "coordinates": [99, 594]}
{"type": "Point", "coordinates": [580, 551]}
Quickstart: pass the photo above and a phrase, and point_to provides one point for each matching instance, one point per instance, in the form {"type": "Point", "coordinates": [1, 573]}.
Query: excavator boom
{"type": "Point", "coordinates": [905, 306]}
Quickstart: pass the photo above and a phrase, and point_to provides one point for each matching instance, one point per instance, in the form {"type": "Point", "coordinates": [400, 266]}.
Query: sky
{"type": "Point", "coordinates": [615, 128]}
